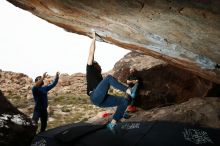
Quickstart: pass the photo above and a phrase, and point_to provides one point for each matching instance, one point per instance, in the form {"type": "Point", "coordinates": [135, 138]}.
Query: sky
{"type": "Point", "coordinates": [32, 46]}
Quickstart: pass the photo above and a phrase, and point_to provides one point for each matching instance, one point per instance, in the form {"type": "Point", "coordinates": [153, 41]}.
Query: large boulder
{"type": "Point", "coordinates": [16, 129]}
{"type": "Point", "coordinates": [161, 83]}
{"type": "Point", "coordinates": [185, 34]}
{"type": "Point", "coordinates": [198, 111]}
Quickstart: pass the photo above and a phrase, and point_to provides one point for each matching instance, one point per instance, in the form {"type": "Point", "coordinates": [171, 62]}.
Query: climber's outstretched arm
{"type": "Point", "coordinates": [91, 50]}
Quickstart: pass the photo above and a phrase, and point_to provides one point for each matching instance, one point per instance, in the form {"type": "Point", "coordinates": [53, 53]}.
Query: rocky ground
{"type": "Point", "coordinates": [64, 109]}
{"type": "Point", "coordinates": [203, 112]}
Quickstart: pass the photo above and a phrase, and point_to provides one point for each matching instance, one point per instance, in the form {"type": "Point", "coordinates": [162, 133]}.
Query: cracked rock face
{"type": "Point", "coordinates": [185, 34]}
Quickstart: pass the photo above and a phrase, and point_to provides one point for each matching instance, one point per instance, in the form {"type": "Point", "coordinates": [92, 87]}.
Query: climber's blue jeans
{"type": "Point", "coordinates": [101, 98]}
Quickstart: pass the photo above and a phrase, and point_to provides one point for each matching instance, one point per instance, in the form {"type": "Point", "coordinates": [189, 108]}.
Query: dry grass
{"type": "Point", "coordinates": [63, 109]}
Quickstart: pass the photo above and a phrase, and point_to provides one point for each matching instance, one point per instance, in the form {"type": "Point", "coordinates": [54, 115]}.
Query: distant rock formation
{"type": "Point", "coordinates": [15, 84]}
{"type": "Point", "coordinates": [16, 129]}
{"type": "Point", "coordinates": [19, 85]}
{"type": "Point", "coordinates": [161, 84]}
{"type": "Point", "coordinates": [185, 34]}
{"type": "Point", "coordinates": [69, 84]}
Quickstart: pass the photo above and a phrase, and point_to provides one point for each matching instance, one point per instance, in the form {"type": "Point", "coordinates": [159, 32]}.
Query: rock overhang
{"type": "Point", "coordinates": [184, 34]}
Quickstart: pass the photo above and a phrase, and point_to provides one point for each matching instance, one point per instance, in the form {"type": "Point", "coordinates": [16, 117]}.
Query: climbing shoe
{"type": "Point", "coordinates": [111, 126]}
